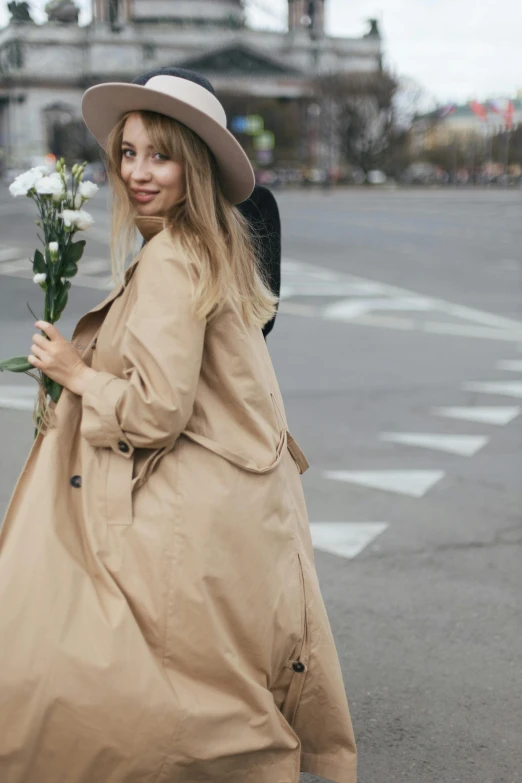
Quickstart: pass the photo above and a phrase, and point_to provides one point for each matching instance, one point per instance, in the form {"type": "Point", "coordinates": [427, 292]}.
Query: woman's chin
{"type": "Point", "coordinates": [147, 210]}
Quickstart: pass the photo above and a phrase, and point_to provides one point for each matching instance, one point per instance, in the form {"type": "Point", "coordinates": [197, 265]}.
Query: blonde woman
{"type": "Point", "coordinates": [160, 614]}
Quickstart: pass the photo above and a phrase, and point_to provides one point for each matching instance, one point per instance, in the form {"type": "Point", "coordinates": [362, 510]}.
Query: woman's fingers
{"type": "Point", "coordinates": [50, 330]}
{"type": "Point", "coordinates": [40, 340]}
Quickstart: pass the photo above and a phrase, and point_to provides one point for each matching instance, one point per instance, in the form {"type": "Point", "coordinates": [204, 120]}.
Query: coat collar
{"type": "Point", "coordinates": [148, 228]}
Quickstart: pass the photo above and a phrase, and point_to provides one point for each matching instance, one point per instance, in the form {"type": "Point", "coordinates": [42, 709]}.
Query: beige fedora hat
{"type": "Point", "coordinates": [184, 101]}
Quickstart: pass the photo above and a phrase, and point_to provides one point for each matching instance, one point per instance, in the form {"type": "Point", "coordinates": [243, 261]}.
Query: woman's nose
{"type": "Point", "coordinates": [140, 170]}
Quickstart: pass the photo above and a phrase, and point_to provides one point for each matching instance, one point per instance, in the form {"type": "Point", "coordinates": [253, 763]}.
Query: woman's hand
{"type": "Point", "coordinates": [59, 359]}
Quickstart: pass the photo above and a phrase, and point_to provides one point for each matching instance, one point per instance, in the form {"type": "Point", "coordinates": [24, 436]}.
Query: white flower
{"type": "Point", "coordinates": [87, 189]}
{"type": "Point", "coordinates": [26, 182]}
{"type": "Point", "coordinates": [53, 250]}
{"type": "Point", "coordinates": [40, 278]}
{"type": "Point", "coordinates": [50, 186]}
{"type": "Point", "coordinates": [79, 219]}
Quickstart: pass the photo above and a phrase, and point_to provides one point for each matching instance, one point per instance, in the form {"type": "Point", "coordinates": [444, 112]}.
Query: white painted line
{"type": "Point", "coordinates": [9, 253]}
{"type": "Point", "coordinates": [17, 398]}
{"type": "Point", "coordinates": [514, 365]}
{"type": "Point", "coordinates": [347, 309]}
{"type": "Point", "coordinates": [414, 483]}
{"type": "Point", "coordinates": [99, 283]}
{"type": "Point", "coordinates": [463, 445]}
{"type": "Point", "coordinates": [16, 403]}
{"type": "Point", "coordinates": [20, 268]}
{"type": "Point", "coordinates": [300, 270]}
{"type": "Point", "coordinates": [468, 330]}
{"type": "Point", "coordinates": [345, 539]}
{"type": "Point", "coordinates": [385, 321]}
{"type": "Point", "coordinates": [486, 415]}
{"type": "Point", "coordinates": [507, 389]}
{"type": "Point", "coordinates": [296, 308]}
{"type": "Point", "coordinates": [28, 390]}
{"type": "Point", "coordinates": [92, 266]}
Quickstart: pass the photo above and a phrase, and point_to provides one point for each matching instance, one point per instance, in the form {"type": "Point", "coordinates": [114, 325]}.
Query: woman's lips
{"type": "Point", "coordinates": [143, 196]}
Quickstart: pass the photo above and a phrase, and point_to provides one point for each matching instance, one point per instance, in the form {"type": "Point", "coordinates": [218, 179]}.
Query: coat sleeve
{"type": "Point", "coordinates": [162, 349]}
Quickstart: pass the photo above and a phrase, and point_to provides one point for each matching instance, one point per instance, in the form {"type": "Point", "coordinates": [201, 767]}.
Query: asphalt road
{"type": "Point", "coordinates": [399, 353]}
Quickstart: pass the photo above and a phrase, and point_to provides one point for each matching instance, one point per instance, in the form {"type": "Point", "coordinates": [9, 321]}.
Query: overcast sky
{"type": "Point", "coordinates": [456, 49]}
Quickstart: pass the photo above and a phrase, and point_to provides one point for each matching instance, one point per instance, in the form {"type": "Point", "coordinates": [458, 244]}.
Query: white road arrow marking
{"type": "Point", "coordinates": [414, 483]}
{"type": "Point", "coordinates": [463, 445]}
{"type": "Point", "coordinates": [505, 388]}
{"type": "Point", "coordinates": [345, 539]}
{"type": "Point", "coordinates": [487, 415]}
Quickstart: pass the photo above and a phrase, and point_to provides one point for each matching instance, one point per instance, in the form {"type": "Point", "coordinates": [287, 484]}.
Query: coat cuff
{"type": "Point", "coordinates": [100, 425]}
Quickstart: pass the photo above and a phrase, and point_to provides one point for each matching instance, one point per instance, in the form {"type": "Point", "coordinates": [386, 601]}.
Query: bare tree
{"type": "Point", "coordinates": [358, 110]}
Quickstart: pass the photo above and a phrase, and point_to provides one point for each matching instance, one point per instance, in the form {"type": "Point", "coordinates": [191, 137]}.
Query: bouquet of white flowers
{"type": "Point", "coordinates": [60, 205]}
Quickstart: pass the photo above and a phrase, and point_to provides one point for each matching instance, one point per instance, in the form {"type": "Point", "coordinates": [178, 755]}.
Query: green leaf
{"type": "Point", "coordinates": [69, 269]}
{"type": "Point", "coordinates": [62, 294]}
{"type": "Point", "coordinates": [74, 252]}
{"type": "Point", "coordinates": [54, 389]}
{"type": "Point", "coordinates": [39, 265]}
{"type": "Point", "coordinates": [16, 364]}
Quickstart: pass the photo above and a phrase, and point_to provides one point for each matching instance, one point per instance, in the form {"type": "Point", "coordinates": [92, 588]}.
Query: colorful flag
{"type": "Point", "coordinates": [495, 106]}
{"type": "Point", "coordinates": [479, 110]}
{"type": "Point", "coordinates": [509, 114]}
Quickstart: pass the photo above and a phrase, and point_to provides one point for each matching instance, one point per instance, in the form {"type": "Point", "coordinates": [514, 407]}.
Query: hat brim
{"type": "Point", "coordinates": [105, 104]}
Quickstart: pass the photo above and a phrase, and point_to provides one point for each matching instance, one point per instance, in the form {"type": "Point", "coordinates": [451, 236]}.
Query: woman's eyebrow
{"type": "Point", "coordinates": [129, 144]}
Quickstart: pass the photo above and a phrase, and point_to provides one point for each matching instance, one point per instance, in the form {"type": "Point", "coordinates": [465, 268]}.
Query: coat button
{"type": "Point", "coordinates": [298, 667]}
{"type": "Point", "coordinates": [76, 481]}
{"type": "Point", "coordinates": [123, 447]}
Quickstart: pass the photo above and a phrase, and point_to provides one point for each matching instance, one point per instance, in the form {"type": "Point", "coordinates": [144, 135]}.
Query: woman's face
{"type": "Point", "coordinates": [154, 183]}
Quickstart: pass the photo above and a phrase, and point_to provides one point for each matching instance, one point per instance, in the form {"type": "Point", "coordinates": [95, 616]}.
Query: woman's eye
{"type": "Point", "coordinates": [160, 156]}
{"type": "Point", "coordinates": [127, 153]}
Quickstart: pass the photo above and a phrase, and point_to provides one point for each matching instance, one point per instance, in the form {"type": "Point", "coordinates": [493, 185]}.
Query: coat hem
{"type": "Point", "coordinates": [328, 768]}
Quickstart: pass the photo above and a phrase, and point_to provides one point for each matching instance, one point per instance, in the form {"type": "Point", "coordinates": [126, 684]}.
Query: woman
{"type": "Point", "coordinates": [160, 613]}
{"type": "Point", "coordinates": [260, 209]}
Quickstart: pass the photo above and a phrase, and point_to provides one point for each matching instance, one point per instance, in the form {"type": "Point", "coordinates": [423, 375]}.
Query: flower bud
{"type": "Point", "coordinates": [40, 279]}
{"type": "Point", "coordinates": [53, 250]}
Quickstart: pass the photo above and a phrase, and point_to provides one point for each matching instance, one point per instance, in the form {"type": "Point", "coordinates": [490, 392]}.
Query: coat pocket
{"type": "Point", "coordinates": [118, 488]}
{"type": "Point", "coordinates": [288, 686]}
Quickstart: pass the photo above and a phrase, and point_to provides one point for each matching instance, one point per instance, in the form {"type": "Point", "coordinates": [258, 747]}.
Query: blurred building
{"type": "Point", "coordinates": [44, 69]}
{"type": "Point", "coordinates": [458, 124]}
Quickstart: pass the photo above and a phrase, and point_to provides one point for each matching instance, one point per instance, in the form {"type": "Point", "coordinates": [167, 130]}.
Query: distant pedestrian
{"type": "Point", "coordinates": [160, 614]}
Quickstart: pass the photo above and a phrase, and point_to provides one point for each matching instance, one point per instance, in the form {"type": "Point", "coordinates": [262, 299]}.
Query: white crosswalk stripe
{"type": "Point", "coordinates": [486, 415]}
{"type": "Point", "coordinates": [503, 388]}
{"type": "Point", "coordinates": [414, 483]}
{"type": "Point", "coordinates": [345, 539]}
{"type": "Point", "coordinates": [463, 445]}
{"type": "Point", "coordinates": [512, 365]}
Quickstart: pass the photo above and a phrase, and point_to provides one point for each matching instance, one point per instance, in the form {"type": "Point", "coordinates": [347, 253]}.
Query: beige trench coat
{"type": "Point", "coordinates": [160, 615]}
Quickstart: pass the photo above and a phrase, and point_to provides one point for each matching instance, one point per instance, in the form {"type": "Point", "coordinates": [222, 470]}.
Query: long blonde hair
{"type": "Point", "coordinates": [209, 227]}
